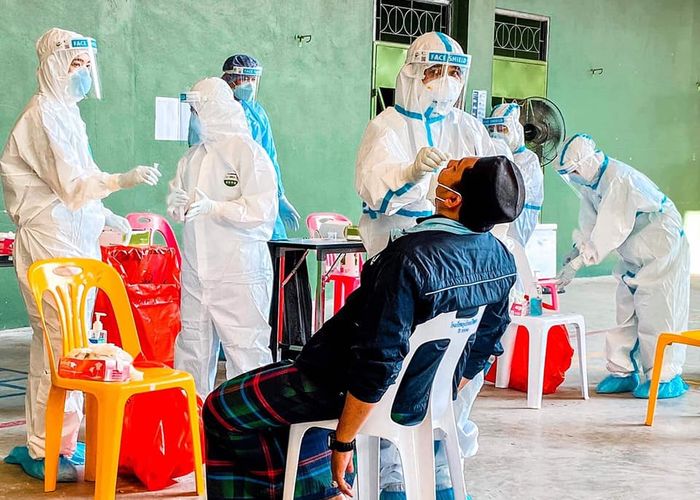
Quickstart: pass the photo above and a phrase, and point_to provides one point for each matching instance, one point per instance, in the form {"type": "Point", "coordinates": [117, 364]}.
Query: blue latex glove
{"type": "Point", "coordinates": [288, 214]}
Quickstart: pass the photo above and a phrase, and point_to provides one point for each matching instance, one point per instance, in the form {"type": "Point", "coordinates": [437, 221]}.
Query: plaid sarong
{"type": "Point", "coordinates": [246, 422]}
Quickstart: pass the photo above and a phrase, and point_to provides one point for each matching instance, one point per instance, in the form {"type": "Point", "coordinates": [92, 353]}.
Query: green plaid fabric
{"type": "Point", "coordinates": [246, 422]}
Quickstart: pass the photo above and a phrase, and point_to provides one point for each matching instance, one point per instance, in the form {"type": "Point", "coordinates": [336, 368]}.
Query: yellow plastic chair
{"type": "Point", "coordinates": [691, 337]}
{"type": "Point", "coordinates": [69, 281]}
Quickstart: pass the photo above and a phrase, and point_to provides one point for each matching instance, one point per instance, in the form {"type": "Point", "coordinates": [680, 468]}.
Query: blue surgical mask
{"type": "Point", "coordinates": [80, 83]}
{"type": "Point", "coordinates": [195, 131]}
{"type": "Point", "coordinates": [577, 179]}
{"type": "Point", "coordinates": [245, 91]}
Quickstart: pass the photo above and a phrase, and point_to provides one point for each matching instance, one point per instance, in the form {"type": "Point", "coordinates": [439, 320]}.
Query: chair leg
{"type": "Point", "coordinates": [196, 438]}
{"type": "Point", "coordinates": [505, 360]}
{"type": "Point", "coordinates": [91, 433]}
{"type": "Point", "coordinates": [581, 345]}
{"type": "Point", "coordinates": [417, 453]}
{"type": "Point", "coordinates": [661, 345]}
{"type": "Point", "coordinates": [110, 419]}
{"type": "Point", "coordinates": [454, 458]}
{"type": "Point", "coordinates": [367, 477]}
{"type": "Point", "coordinates": [338, 291]}
{"type": "Point", "coordinates": [55, 408]}
{"type": "Point", "coordinates": [296, 435]}
{"type": "Point", "coordinates": [537, 351]}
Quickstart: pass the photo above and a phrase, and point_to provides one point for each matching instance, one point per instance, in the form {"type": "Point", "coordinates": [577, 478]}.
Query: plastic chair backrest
{"type": "Point", "coordinates": [444, 326]}
{"type": "Point", "coordinates": [69, 282]}
{"type": "Point", "coordinates": [156, 223]}
{"type": "Point", "coordinates": [314, 221]}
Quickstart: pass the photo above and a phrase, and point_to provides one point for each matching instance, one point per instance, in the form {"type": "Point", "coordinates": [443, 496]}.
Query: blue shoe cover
{"type": "Point", "coordinates": [78, 457]}
{"type": "Point", "coordinates": [614, 385]}
{"type": "Point", "coordinates": [392, 495]}
{"type": "Point", "coordinates": [667, 390]}
{"type": "Point", "coordinates": [67, 473]}
{"type": "Point", "coordinates": [442, 494]}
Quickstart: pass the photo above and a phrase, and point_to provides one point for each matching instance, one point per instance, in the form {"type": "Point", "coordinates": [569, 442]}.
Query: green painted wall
{"type": "Point", "coordinates": [317, 95]}
{"type": "Point", "coordinates": [643, 110]}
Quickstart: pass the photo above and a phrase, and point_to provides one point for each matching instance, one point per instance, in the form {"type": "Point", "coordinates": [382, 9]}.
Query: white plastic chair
{"type": "Point", "coordinates": [538, 329]}
{"type": "Point", "coordinates": [415, 442]}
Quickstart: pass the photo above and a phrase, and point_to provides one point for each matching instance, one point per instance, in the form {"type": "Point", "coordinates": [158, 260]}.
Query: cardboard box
{"type": "Point", "coordinates": [103, 370]}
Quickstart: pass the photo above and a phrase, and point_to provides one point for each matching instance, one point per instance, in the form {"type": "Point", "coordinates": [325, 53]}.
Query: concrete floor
{"type": "Point", "coordinates": [570, 449]}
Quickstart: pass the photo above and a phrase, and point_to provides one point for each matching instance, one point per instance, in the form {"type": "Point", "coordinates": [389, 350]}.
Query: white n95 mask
{"type": "Point", "coordinates": [444, 93]}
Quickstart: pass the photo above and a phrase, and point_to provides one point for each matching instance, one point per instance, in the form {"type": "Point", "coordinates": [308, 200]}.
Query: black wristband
{"type": "Point", "coordinates": [335, 445]}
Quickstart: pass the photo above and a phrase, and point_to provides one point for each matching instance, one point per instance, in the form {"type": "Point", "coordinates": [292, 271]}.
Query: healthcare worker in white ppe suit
{"type": "Point", "coordinates": [622, 210]}
{"type": "Point", "coordinates": [400, 154]}
{"type": "Point", "coordinates": [404, 144]}
{"type": "Point", "coordinates": [53, 191]}
{"type": "Point", "coordinates": [225, 191]}
{"type": "Point", "coordinates": [504, 125]}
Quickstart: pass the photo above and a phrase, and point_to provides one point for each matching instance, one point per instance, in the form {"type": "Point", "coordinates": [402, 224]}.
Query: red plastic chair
{"type": "Point", "coordinates": [156, 223]}
{"type": "Point", "coordinates": [344, 283]}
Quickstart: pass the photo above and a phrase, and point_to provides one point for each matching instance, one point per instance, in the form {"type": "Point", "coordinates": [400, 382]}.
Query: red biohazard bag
{"type": "Point", "coordinates": [151, 276]}
{"type": "Point", "coordinates": [156, 444]}
{"type": "Point", "coordinates": [557, 360]}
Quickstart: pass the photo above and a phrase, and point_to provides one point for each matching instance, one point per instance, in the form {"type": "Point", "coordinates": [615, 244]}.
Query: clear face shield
{"type": "Point", "coordinates": [83, 74]}
{"type": "Point", "coordinates": [572, 179]}
{"type": "Point", "coordinates": [498, 130]}
{"type": "Point", "coordinates": [245, 81]}
{"type": "Point", "coordinates": [444, 78]}
{"type": "Point", "coordinates": [190, 126]}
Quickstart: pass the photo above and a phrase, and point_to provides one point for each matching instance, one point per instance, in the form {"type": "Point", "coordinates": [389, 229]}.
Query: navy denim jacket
{"type": "Point", "coordinates": [416, 278]}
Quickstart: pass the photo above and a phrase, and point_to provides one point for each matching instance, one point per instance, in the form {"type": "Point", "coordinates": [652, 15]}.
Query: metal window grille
{"type": "Point", "coordinates": [520, 37]}
{"type": "Point", "coordinates": [402, 21]}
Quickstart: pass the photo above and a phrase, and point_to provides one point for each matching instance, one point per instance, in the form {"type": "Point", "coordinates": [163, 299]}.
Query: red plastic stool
{"type": "Point", "coordinates": [343, 286]}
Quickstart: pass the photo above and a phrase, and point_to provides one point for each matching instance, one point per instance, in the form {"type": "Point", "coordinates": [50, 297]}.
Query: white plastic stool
{"type": "Point", "coordinates": [414, 442]}
{"type": "Point", "coordinates": [538, 329]}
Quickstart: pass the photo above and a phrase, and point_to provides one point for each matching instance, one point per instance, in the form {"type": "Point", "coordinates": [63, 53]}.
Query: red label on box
{"type": "Point", "coordinates": [104, 370]}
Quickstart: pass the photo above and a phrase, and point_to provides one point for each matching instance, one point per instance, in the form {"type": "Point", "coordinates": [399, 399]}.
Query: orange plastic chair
{"type": "Point", "coordinates": [343, 283]}
{"type": "Point", "coordinates": [692, 338]}
{"type": "Point", "coordinates": [68, 281]}
{"type": "Point", "coordinates": [156, 223]}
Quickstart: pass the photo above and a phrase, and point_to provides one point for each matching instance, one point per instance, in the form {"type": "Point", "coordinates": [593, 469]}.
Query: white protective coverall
{"type": "Point", "coordinates": [394, 137]}
{"type": "Point", "coordinates": [226, 268]}
{"type": "Point", "coordinates": [529, 164]}
{"type": "Point", "coordinates": [52, 191]}
{"type": "Point", "coordinates": [621, 209]}
{"type": "Point", "coordinates": [391, 201]}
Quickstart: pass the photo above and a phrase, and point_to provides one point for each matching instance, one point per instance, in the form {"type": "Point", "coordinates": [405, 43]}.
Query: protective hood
{"type": "Point", "coordinates": [513, 134]}
{"type": "Point", "coordinates": [218, 111]}
{"type": "Point", "coordinates": [56, 49]}
{"type": "Point", "coordinates": [580, 160]}
{"type": "Point", "coordinates": [426, 51]}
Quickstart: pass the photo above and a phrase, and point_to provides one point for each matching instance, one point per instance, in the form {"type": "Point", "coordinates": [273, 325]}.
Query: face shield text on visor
{"type": "Point", "coordinates": [496, 125]}
{"type": "Point", "coordinates": [84, 77]}
{"type": "Point", "coordinates": [246, 81]}
{"type": "Point", "coordinates": [444, 79]}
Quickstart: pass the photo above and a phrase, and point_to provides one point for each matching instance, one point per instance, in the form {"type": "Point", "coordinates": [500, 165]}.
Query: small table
{"type": "Point", "coordinates": [323, 248]}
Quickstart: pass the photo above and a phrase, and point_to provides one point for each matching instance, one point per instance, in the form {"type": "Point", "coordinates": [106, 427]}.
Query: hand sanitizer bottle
{"type": "Point", "coordinates": [98, 335]}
